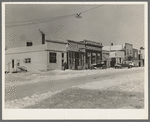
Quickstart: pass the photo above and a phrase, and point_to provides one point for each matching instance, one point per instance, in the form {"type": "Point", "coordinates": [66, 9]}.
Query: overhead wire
{"type": "Point", "coordinates": [37, 21]}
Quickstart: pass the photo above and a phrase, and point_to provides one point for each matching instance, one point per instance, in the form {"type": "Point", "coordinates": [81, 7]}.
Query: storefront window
{"type": "Point", "coordinates": [88, 54]}
{"type": "Point", "coordinates": [98, 58]}
{"type": "Point", "coordinates": [93, 58]}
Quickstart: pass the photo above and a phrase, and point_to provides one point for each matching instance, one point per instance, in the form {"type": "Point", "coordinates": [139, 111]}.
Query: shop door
{"type": "Point", "coordinates": [76, 60]}
{"type": "Point", "coordinates": [89, 62]}
{"type": "Point", "coordinates": [112, 63]}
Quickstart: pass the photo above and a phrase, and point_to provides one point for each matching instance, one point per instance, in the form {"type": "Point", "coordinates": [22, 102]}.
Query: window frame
{"type": "Point", "coordinates": [51, 60]}
{"type": "Point", "coordinates": [27, 60]}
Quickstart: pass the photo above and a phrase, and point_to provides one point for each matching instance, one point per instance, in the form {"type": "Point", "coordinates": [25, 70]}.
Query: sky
{"type": "Point", "coordinates": [109, 23]}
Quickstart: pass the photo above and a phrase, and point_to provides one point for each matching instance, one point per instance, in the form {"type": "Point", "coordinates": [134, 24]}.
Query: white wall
{"type": "Point", "coordinates": [38, 60]}
{"type": "Point", "coordinates": [130, 48]}
{"type": "Point", "coordinates": [120, 54]}
{"type": "Point", "coordinates": [58, 64]}
{"type": "Point", "coordinates": [56, 46]}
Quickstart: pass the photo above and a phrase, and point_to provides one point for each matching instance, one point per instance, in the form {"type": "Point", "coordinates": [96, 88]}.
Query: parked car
{"type": "Point", "coordinates": [100, 66]}
{"type": "Point", "coordinates": [119, 65]}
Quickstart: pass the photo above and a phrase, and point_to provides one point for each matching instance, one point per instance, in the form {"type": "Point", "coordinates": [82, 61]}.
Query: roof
{"type": "Point", "coordinates": [26, 49]}
{"type": "Point", "coordinates": [78, 42]}
{"type": "Point", "coordinates": [94, 43]}
{"type": "Point", "coordinates": [55, 41]}
{"type": "Point", "coordinates": [114, 47]}
{"type": "Point", "coordinates": [128, 44]}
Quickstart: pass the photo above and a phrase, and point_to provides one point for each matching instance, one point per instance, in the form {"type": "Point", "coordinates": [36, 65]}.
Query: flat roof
{"type": "Point", "coordinates": [56, 41]}
{"type": "Point", "coordinates": [79, 42]}
{"type": "Point", "coordinates": [114, 47]}
{"type": "Point", "coordinates": [93, 43]}
{"type": "Point", "coordinates": [26, 49]}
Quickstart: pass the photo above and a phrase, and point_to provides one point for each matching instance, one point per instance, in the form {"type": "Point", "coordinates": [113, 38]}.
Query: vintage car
{"type": "Point", "coordinates": [99, 66]}
{"type": "Point", "coordinates": [121, 65]}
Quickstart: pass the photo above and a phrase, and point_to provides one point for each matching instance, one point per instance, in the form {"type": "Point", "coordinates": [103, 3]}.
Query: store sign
{"type": "Point", "coordinates": [94, 43]}
{"type": "Point", "coordinates": [76, 47]}
{"type": "Point", "coordinates": [94, 48]}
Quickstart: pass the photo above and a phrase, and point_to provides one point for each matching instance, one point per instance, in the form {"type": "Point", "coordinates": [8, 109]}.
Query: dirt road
{"type": "Point", "coordinates": [42, 90]}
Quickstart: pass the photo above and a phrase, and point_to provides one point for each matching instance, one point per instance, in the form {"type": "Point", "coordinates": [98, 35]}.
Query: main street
{"type": "Point", "coordinates": [127, 80]}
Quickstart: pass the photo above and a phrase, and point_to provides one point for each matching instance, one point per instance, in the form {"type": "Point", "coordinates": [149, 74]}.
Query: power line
{"type": "Point", "coordinates": [91, 9]}
{"type": "Point", "coordinates": [36, 22]}
{"type": "Point", "coordinates": [31, 22]}
{"type": "Point", "coordinates": [39, 19]}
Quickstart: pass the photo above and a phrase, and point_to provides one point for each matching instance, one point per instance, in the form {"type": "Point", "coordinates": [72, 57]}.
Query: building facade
{"type": "Point", "coordinates": [106, 57]}
{"type": "Point", "coordinates": [93, 53]}
{"type": "Point", "coordinates": [135, 58]}
{"type": "Point", "coordinates": [76, 55]}
{"type": "Point", "coordinates": [47, 56]}
{"type": "Point", "coordinates": [116, 54]}
{"type": "Point", "coordinates": [141, 57]}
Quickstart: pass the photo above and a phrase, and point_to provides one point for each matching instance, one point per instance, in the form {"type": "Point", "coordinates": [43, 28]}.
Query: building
{"type": "Point", "coordinates": [122, 53]}
{"type": "Point", "coordinates": [135, 58]}
{"type": "Point", "coordinates": [76, 56]}
{"type": "Point", "coordinates": [93, 52]}
{"type": "Point", "coordinates": [141, 56]}
{"type": "Point", "coordinates": [106, 57]}
{"type": "Point", "coordinates": [128, 51]}
{"type": "Point", "coordinates": [53, 54]}
{"type": "Point", "coordinates": [116, 54]}
{"type": "Point", "coordinates": [47, 56]}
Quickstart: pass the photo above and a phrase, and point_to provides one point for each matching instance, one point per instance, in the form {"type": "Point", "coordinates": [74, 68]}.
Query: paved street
{"type": "Point", "coordinates": [99, 80]}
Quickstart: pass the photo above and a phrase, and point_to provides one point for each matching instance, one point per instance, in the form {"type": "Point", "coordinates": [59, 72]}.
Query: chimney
{"type": "Point", "coordinates": [43, 37]}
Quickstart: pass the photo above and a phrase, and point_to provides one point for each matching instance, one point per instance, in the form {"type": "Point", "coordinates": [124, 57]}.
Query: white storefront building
{"type": "Point", "coordinates": [48, 56]}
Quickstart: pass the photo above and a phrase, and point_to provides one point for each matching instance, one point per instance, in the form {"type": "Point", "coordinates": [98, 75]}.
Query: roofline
{"type": "Point", "coordinates": [75, 42]}
{"type": "Point", "coordinates": [129, 44]}
{"type": "Point", "coordinates": [93, 45]}
{"type": "Point", "coordinates": [99, 44]}
{"type": "Point", "coordinates": [54, 41]}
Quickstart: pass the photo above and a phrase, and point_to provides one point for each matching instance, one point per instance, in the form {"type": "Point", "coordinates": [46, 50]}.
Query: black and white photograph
{"type": "Point", "coordinates": [75, 60]}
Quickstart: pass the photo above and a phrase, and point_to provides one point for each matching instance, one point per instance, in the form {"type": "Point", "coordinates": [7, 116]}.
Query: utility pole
{"type": "Point", "coordinates": [109, 53]}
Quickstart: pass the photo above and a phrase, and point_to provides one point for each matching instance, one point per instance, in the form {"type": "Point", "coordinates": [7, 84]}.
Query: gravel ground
{"type": "Point", "coordinates": [14, 79]}
{"type": "Point", "coordinates": [126, 92]}
{"type": "Point", "coordinates": [127, 89]}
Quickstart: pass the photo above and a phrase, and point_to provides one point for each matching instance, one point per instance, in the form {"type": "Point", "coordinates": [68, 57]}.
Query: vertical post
{"type": "Point", "coordinates": [109, 53]}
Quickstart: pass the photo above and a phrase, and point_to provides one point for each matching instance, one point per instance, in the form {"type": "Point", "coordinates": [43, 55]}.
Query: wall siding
{"type": "Point", "coordinates": [58, 64]}
{"type": "Point", "coordinates": [38, 61]}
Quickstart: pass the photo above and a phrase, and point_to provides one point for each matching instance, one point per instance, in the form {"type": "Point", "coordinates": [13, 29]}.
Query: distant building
{"type": "Point", "coordinates": [141, 56]}
{"type": "Point", "coordinates": [135, 58]}
{"type": "Point", "coordinates": [106, 57]}
{"type": "Point", "coordinates": [116, 54]}
{"type": "Point", "coordinates": [47, 56]}
{"type": "Point", "coordinates": [119, 53]}
{"type": "Point", "coordinates": [128, 51]}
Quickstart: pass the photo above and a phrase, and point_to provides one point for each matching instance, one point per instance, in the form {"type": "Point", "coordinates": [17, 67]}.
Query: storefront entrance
{"type": "Point", "coordinates": [75, 60]}
{"type": "Point", "coordinates": [113, 61]}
